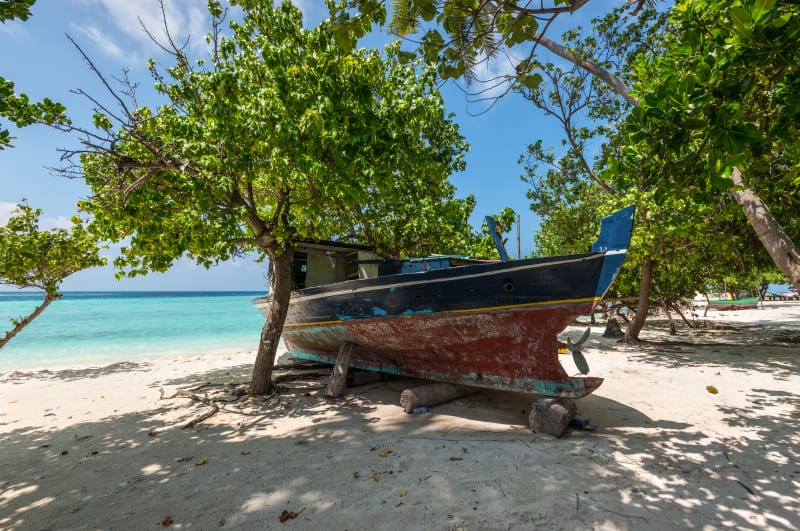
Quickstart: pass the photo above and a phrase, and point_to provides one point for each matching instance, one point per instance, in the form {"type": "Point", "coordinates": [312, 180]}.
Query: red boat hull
{"type": "Point", "coordinates": [509, 349]}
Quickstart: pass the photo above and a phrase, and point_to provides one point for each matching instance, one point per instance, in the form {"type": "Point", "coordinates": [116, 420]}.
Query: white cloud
{"type": "Point", "coordinates": [5, 211]}
{"type": "Point", "coordinates": [105, 42]}
{"type": "Point", "coordinates": [58, 222]}
{"type": "Point", "coordinates": [123, 20]}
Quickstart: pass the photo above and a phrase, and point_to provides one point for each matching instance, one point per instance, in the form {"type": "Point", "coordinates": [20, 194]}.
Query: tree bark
{"type": "Point", "coordinates": [280, 291]}
{"type": "Point", "coordinates": [27, 320]}
{"type": "Point", "coordinates": [616, 84]}
{"type": "Point", "coordinates": [632, 333]}
{"type": "Point", "coordinates": [778, 245]}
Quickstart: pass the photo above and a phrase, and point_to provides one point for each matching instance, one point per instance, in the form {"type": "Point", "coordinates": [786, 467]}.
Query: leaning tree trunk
{"type": "Point", "coordinates": [632, 333]}
{"type": "Point", "coordinates": [778, 245]}
{"type": "Point", "coordinates": [26, 321]}
{"type": "Point", "coordinates": [280, 291]}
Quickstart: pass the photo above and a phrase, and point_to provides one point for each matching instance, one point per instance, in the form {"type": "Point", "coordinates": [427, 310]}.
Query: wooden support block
{"type": "Point", "coordinates": [433, 394]}
{"type": "Point", "coordinates": [552, 416]}
{"type": "Point", "coordinates": [338, 379]}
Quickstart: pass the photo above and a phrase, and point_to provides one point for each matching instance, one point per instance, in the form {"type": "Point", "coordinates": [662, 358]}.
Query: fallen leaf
{"type": "Point", "coordinates": [385, 452]}
{"type": "Point", "coordinates": [167, 521]}
{"type": "Point", "coordinates": [456, 459]}
{"type": "Point", "coordinates": [184, 459]}
{"type": "Point", "coordinates": [376, 476]}
{"type": "Point", "coordinates": [330, 456]}
{"type": "Point", "coordinates": [245, 452]}
{"type": "Point", "coordinates": [201, 463]}
{"type": "Point", "coordinates": [711, 389]}
{"type": "Point", "coordinates": [356, 475]}
{"type": "Point", "coordinates": [403, 493]}
{"type": "Point", "coordinates": [287, 515]}
{"type": "Point", "coordinates": [152, 433]}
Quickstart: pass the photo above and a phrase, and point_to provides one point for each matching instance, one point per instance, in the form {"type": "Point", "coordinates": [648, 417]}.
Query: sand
{"type": "Point", "coordinates": [98, 448]}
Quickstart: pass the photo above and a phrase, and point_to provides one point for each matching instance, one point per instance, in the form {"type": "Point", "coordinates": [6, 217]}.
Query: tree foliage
{"type": "Point", "coordinates": [11, 9]}
{"type": "Point", "coordinates": [279, 136]}
{"type": "Point", "coordinates": [17, 107]}
{"type": "Point", "coordinates": [461, 34]}
{"type": "Point", "coordinates": [685, 240]}
{"type": "Point", "coordinates": [723, 103]}
{"type": "Point", "coordinates": [33, 258]}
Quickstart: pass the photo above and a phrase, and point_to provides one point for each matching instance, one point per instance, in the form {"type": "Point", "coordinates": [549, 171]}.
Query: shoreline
{"type": "Point", "coordinates": [101, 447]}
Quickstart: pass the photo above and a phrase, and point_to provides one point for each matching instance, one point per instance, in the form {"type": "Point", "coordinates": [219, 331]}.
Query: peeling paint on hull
{"type": "Point", "coordinates": [514, 350]}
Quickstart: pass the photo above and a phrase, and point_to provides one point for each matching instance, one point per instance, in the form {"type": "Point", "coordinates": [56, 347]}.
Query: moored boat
{"type": "Point", "coordinates": [486, 324]}
{"type": "Point", "coordinates": [744, 303]}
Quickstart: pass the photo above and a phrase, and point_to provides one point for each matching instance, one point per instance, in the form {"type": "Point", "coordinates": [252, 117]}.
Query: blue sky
{"type": "Point", "coordinates": [39, 59]}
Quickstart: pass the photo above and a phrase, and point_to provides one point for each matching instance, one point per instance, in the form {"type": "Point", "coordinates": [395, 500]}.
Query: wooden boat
{"type": "Point", "coordinates": [744, 303]}
{"type": "Point", "coordinates": [486, 324]}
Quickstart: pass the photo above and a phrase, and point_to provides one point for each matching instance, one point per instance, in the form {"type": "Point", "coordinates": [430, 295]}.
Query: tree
{"type": "Point", "coordinates": [30, 258]}
{"type": "Point", "coordinates": [680, 242]}
{"type": "Point", "coordinates": [758, 38]}
{"type": "Point", "coordinates": [279, 136]}
{"type": "Point", "coordinates": [723, 102]}
{"type": "Point", "coordinates": [17, 107]}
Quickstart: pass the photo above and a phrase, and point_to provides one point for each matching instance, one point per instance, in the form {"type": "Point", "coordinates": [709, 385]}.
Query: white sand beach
{"type": "Point", "coordinates": [98, 448]}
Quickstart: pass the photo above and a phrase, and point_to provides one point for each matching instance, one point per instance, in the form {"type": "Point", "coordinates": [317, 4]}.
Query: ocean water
{"type": "Point", "coordinates": [102, 327]}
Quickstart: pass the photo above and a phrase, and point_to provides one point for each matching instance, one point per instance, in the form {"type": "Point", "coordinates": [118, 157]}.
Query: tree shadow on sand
{"type": "Point", "coordinates": [353, 463]}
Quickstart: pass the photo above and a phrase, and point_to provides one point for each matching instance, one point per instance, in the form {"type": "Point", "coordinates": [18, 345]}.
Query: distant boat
{"type": "Point", "coordinates": [489, 324]}
{"type": "Point", "coordinates": [744, 303]}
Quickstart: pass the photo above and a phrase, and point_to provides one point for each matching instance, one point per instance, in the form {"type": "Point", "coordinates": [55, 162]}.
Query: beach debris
{"type": "Point", "coordinates": [456, 459]}
{"type": "Point", "coordinates": [711, 389]}
{"type": "Point", "coordinates": [385, 452]}
{"type": "Point", "coordinates": [376, 477]}
{"type": "Point", "coordinates": [167, 521]}
{"type": "Point", "coordinates": [613, 329]}
{"type": "Point", "coordinates": [403, 493]}
{"type": "Point", "coordinates": [433, 394]}
{"type": "Point", "coordinates": [184, 459]}
{"type": "Point", "coordinates": [290, 515]}
{"type": "Point", "coordinates": [180, 393]}
{"type": "Point", "coordinates": [581, 423]}
{"type": "Point", "coordinates": [201, 462]}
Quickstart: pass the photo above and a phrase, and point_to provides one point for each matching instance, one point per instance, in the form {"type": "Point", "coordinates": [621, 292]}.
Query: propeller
{"type": "Point", "coordinates": [577, 355]}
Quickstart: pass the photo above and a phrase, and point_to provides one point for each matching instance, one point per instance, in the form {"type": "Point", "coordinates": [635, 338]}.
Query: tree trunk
{"type": "Point", "coordinates": [280, 291]}
{"type": "Point", "coordinates": [632, 333]}
{"type": "Point", "coordinates": [26, 321]}
{"type": "Point", "coordinates": [778, 245]}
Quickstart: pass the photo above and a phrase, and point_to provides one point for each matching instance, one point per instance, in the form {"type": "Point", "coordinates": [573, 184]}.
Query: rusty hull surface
{"type": "Point", "coordinates": [506, 349]}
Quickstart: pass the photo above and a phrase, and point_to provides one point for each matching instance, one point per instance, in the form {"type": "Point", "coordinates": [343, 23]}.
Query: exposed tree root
{"type": "Point", "coordinates": [213, 403]}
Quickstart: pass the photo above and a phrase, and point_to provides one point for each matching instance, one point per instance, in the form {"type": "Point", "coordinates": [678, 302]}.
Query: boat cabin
{"type": "Point", "coordinates": [321, 263]}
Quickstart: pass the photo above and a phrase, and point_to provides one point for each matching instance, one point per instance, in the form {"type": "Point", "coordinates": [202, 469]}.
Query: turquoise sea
{"type": "Point", "coordinates": [90, 328]}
